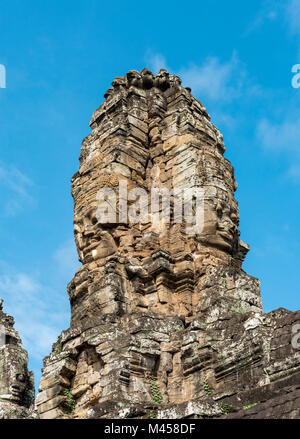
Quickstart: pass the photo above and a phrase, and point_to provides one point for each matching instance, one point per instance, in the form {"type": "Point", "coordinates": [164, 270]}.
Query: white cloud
{"type": "Point", "coordinates": [67, 258]}
{"type": "Point", "coordinates": [155, 62]}
{"type": "Point", "coordinates": [37, 337]}
{"type": "Point", "coordinates": [269, 11]}
{"type": "Point", "coordinates": [16, 187]}
{"type": "Point", "coordinates": [293, 15]}
{"type": "Point", "coordinates": [284, 136]}
{"type": "Point", "coordinates": [225, 119]}
{"type": "Point", "coordinates": [284, 11]}
{"type": "Point", "coordinates": [36, 308]}
{"type": "Point", "coordinates": [287, 11]}
{"type": "Point", "coordinates": [213, 79]}
{"type": "Point", "coordinates": [40, 310]}
{"type": "Point", "coordinates": [19, 282]}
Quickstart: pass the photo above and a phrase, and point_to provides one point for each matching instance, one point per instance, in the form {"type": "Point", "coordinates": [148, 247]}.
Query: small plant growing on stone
{"type": "Point", "coordinates": [70, 401]}
{"type": "Point", "coordinates": [207, 388]}
{"type": "Point", "coordinates": [246, 407]}
{"type": "Point", "coordinates": [155, 392]}
{"type": "Point", "coordinates": [152, 415]}
{"type": "Point", "coordinates": [59, 345]}
{"type": "Point", "coordinates": [226, 409]}
{"type": "Point", "coordinates": [238, 310]}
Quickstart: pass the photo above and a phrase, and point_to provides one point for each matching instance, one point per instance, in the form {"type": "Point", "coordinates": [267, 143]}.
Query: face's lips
{"type": "Point", "coordinates": [92, 246]}
{"type": "Point", "coordinates": [227, 236]}
{"type": "Point", "coordinates": [15, 391]}
{"type": "Point", "coordinates": [89, 245]}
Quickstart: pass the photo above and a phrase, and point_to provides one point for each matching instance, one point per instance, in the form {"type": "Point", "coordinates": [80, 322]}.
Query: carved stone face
{"type": "Point", "coordinates": [92, 241]}
{"type": "Point", "coordinates": [18, 386]}
{"type": "Point", "coordinates": [147, 78]}
{"type": "Point", "coordinates": [220, 225]}
{"type": "Point", "coordinates": [13, 381]}
{"type": "Point", "coordinates": [162, 80]}
{"type": "Point", "coordinates": [133, 78]}
{"type": "Point", "coordinates": [118, 82]}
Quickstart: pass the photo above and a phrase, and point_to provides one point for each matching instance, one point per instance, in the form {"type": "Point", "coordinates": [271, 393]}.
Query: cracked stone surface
{"type": "Point", "coordinates": [164, 323]}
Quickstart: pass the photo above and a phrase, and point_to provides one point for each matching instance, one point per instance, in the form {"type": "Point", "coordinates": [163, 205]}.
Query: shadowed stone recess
{"type": "Point", "coordinates": [164, 323]}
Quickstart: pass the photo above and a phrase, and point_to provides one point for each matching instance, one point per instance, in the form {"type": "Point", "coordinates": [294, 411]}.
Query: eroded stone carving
{"type": "Point", "coordinates": [163, 322]}
{"type": "Point", "coordinates": [16, 382]}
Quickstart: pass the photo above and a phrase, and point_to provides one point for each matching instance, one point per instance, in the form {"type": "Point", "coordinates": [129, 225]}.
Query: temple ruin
{"type": "Point", "coordinates": [16, 382]}
{"type": "Point", "coordinates": [165, 323]}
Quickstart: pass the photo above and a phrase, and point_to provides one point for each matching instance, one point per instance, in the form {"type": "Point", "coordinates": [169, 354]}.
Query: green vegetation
{"type": "Point", "coordinates": [207, 388]}
{"type": "Point", "coordinates": [238, 310]}
{"type": "Point", "coordinates": [152, 415]}
{"type": "Point", "coordinates": [226, 409]}
{"type": "Point", "coordinates": [155, 391]}
{"type": "Point", "coordinates": [70, 401]}
{"type": "Point", "coordinates": [246, 407]}
{"type": "Point", "coordinates": [59, 345]}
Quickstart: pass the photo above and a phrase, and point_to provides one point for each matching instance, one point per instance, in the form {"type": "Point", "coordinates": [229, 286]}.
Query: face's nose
{"type": "Point", "coordinates": [88, 231]}
{"type": "Point", "coordinates": [226, 224]}
{"type": "Point", "coordinates": [232, 226]}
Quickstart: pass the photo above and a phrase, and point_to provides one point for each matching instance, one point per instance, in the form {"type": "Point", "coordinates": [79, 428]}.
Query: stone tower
{"type": "Point", "coordinates": [164, 321]}
{"type": "Point", "coordinates": [16, 382]}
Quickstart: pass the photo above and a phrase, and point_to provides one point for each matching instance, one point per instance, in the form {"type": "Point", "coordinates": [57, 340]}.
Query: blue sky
{"type": "Point", "coordinates": [61, 56]}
